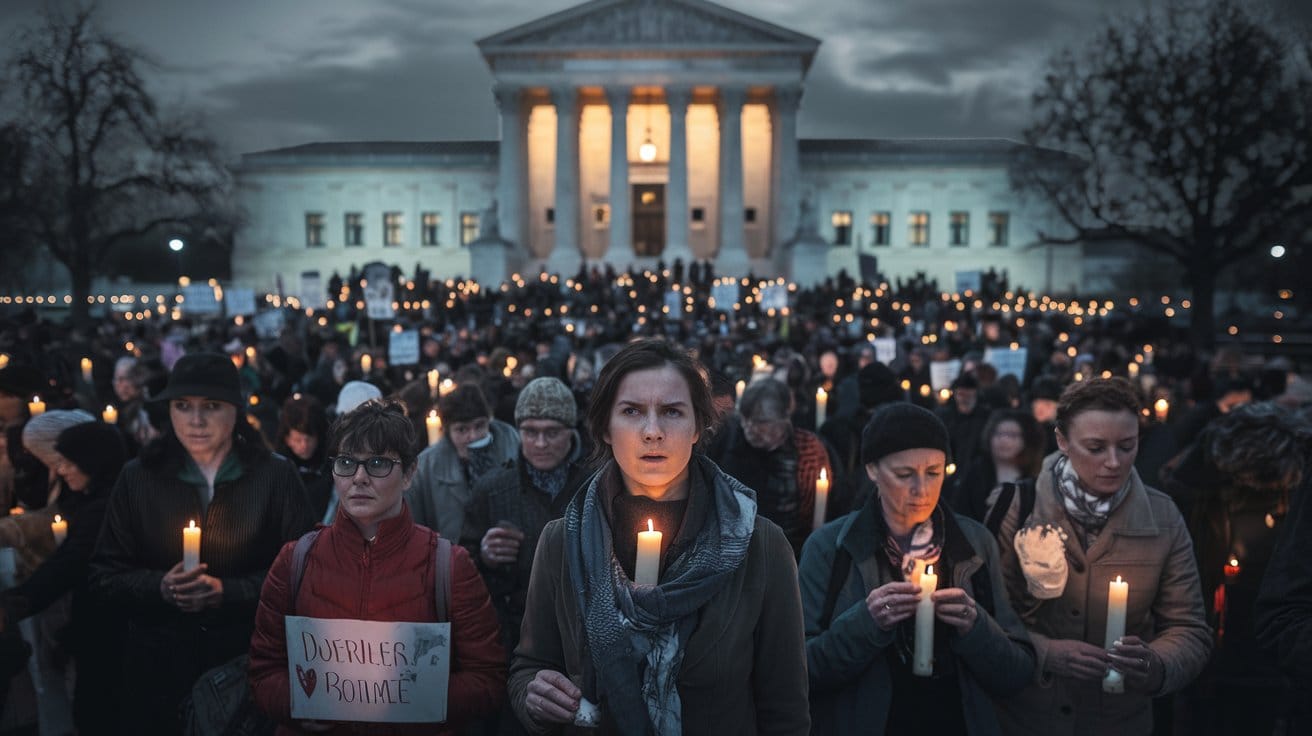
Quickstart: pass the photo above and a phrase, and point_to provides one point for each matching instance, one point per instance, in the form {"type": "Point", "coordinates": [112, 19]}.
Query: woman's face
{"type": "Point", "coordinates": [909, 484]}
{"type": "Point", "coordinates": [72, 475]}
{"type": "Point", "coordinates": [124, 387]}
{"type": "Point", "coordinates": [367, 499]}
{"type": "Point", "coordinates": [203, 426]}
{"type": "Point", "coordinates": [301, 444]}
{"type": "Point", "coordinates": [652, 431]}
{"type": "Point", "coordinates": [1101, 446]}
{"type": "Point", "coordinates": [1007, 442]}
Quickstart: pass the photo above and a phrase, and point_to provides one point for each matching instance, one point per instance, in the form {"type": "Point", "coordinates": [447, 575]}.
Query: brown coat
{"type": "Point", "coordinates": [1147, 543]}
{"type": "Point", "coordinates": [744, 668]}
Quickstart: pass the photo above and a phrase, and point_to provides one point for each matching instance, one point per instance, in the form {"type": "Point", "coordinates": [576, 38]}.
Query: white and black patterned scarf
{"type": "Point", "coordinates": [636, 634]}
{"type": "Point", "coordinates": [1086, 510]}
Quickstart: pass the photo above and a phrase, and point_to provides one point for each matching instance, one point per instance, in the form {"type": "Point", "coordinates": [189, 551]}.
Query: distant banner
{"type": "Point", "coordinates": [968, 281]}
{"type": "Point", "coordinates": [379, 291]}
{"type": "Point", "coordinates": [725, 294]}
{"type": "Point", "coordinates": [403, 347]}
{"type": "Point", "coordinates": [312, 294]}
{"type": "Point", "coordinates": [200, 299]}
{"type": "Point", "coordinates": [1011, 362]}
{"type": "Point", "coordinates": [943, 372]}
{"type": "Point", "coordinates": [774, 296]}
{"type": "Point", "coordinates": [885, 349]}
{"type": "Point", "coordinates": [268, 325]}
{"type": "Point", "coordinates": [368, 671]}
{"type": "Point", "coordinates": [239, 300]}
{"type": "Point", "coordinates": [674, 301]}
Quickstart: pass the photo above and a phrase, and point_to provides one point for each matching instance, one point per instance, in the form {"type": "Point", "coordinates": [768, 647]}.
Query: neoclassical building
{"type": "Point", "coordinates": [634, 131]}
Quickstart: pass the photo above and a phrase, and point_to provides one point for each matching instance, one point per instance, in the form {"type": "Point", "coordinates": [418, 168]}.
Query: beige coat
{"type": "Point", "coordinates": [1147, 543]}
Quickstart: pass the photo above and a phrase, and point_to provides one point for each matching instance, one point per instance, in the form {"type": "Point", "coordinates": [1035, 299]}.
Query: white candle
{"type": "Point", "coordinates": [922, 662]}
{"type": "Point", "coordinates": [1162, 408]}
{"type": "Point", "coordinates": [86, 370]}
{"type": "Point", "coordinates": [366, 363]}
{"type": "Point", "coordinates": [434, 426]}
{"type": "Point", "coordinates": [109, 415]}
{"type": "Point", "coordinates": [647, 568]}
{"type": "Point", "coordinates": [821, 406]}
{"type": "Point", "coordinates": [36, 406]}
{"type": "Point", "coordinates": [739, 388]}
{"type": "Point", "coordinates": [1133, 369]}
{"type": "Point", "coordinates": [446, 387]}
{"type": "Point", "coordinates": [433, 376]}
{"type": "Point", "coordinates": [60, 529]}
{"type": "Point", "coordinates": [821, 499]}
{"type": "Point", "coordinates": [1118, 593]}
{"type": "Point", "coordinates": [191, 546]}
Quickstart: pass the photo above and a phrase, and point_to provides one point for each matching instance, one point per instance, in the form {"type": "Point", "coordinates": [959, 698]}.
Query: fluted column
{"type": "Point", "coordinates": [620, 251]}
{"type": "Point", "coordinates": [567, 254]}
{"type": "Point", "coordinates": [676, 191]}
{"type": "Point", "coordinates": [512, 164]}
{"type": "Point", "coordinates": [732, 258]}
{"type": "Point", "coordinates": [785, 183]}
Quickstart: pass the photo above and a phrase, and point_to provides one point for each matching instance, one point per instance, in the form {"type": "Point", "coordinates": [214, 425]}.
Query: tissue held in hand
{"type": "Point", "coordinates": [1042, 552]}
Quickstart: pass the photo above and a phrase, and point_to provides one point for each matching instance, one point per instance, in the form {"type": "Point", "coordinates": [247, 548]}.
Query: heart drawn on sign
{"type": "Point", "coordinates": [308, 679]}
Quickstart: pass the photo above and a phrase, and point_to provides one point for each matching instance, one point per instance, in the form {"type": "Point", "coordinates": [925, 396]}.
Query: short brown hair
{"type": "Point", "coordinates": [378, 426]}
{"type": "Point", "coordinates": [643, 355]}
{"type": "Point", "coordinates": [464, 404]}
{"type": "Point", "coordinates": [1096, 394]}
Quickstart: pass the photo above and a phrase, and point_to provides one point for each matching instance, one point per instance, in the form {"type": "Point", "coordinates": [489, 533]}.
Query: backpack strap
{"type": "Point", "coordinates": [837, 577]}
{"type": "Point", "coordinates": [301, 551]}
{"type": "Point", "coordinates": [1027, 495]}
{"type": "Point", "coordinates": [993, 520]}
{"type": "Point", "coordinates": [442, 579]}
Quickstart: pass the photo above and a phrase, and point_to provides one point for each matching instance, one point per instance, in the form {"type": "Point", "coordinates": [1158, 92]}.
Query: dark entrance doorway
{"type": "Point", "coordinates": [648, 219]}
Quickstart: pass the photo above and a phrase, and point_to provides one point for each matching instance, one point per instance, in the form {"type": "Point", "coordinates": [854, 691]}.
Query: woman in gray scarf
{"type": "Point", "coordinates": [709, 637]}
{"type": "Point", "coordinates": [1094, 522]}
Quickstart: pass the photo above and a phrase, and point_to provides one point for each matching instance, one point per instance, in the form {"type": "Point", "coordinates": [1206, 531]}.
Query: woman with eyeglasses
{"type": "Point", "coordinates": [212, 468]}
{"type": "Point", "coordinates": [373, 563]}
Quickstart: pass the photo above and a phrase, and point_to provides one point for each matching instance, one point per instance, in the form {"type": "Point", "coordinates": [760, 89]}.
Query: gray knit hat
{"type": "Point", "coordinates": [41, 431]}
{"type": "Point", "coordinates": [546, 398]}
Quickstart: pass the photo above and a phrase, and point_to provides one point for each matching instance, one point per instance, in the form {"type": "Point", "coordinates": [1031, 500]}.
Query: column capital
{"type": "Point", "coordinates": [618, 95]}
{"type": "Point", "coordinates": [787, 98]}
{"type": "Point", "coordinates": [509, 97]}
{"type": "Point", "coordinates": [731, 97]}
{"type": "Point", "coordinates": [678, 98]}
{"type": "Point", "coordinates": [565, 97]}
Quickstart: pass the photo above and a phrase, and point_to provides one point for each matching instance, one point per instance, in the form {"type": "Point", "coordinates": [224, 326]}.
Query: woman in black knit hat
{"type": "Point", "coordinates": [860, 591]}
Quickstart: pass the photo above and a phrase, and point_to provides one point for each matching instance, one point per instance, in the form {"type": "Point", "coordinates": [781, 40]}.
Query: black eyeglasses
{"type": "Point", "coordinates": [376, 466]}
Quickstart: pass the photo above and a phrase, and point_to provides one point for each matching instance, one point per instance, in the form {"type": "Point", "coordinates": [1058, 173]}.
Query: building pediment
{"type": "Point", "coordinates": [651, 25]}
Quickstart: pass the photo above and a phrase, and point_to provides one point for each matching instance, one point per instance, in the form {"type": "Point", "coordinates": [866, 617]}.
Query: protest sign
{"type": "Point", "coordinates": [885, 349]}
{"type": "Point", "coordinates": [674, 301]}
{"type": "Point", "coordinates": [379, 291]}
{"type": "Point", "coordinates": [774, 296]}
{"type": "Point", "coordinates": [403, 347]}
{"type": "Point", "coordinates": [943, 372]}
{"type": "Point", "coordinates": [268, 325]}
{"type": "Point", "coordinates": [725, 294]}
{"type": "Point", "coordinates": [312, 294]}
{"type": "Point", "coordinates": [199, 299]}
{"type": "Point", "coordinates": [1008, 361]}
{"type": "Point", "coordinates": [368, 671]}
{"type": "Point", "coordinates": [968, 281]}
{"type": "Point", "coordinates": [239, 300]}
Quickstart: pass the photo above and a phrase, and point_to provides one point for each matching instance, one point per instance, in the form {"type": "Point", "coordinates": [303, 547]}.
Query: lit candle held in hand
{"type": "Point", "coordinates": [922, 662]}
{"type": "Point", "coordinates": [191, 546]}
{"type": "Point", "coordinates": [821, 499]}
{"type": "Point", "coordinates": [60, 529]}
{"type": "Point", "coordinates": [433, 377]}
{"type": "Point", "coordinates": [1118, 593]}
{"type": "Point", "coordinates": [647, 569]}
{"type": "Point", "coordinates": [366, 363]}
{"type": "Point", "coordinates": [86, 370]}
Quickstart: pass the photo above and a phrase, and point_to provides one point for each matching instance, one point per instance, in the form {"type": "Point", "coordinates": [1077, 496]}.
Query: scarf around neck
{"type": "Point", "coordinates": [636, 635]}
{"type": "Point", "coordinates": [926, 543]}
{"type": "Point", "coordinates": [1088, 511]}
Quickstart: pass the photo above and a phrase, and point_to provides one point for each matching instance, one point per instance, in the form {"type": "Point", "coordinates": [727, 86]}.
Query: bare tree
{"type": "Point", "coordinates": [1194, 123]}
{"type": "Point", "coordinates": [101, 164]}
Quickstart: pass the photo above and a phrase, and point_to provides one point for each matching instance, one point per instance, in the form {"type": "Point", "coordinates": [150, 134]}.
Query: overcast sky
{"type": "Point", "coordinates": [272, 73]}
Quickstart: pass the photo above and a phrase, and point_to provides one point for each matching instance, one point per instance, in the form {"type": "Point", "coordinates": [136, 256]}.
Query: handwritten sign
{"type": "Point", "coordinates": [200, 299]}
{"type": "Point", "coordinates": [725, 294]}
{"type": "Point", "coordinates": [269, 324]}
{"type": "Point", "coordinates": [239, 300]}
{"type": "Point", "coordinates": [312, 293]}
{"type": "Point", "coordinates": [1008, 361]}
{"type": "Point", "coordinates": [368, 671]}
{"type": "Point", "coordinates": [943, 372]}
{"type": "Point", "coordinates": [403, 347]}
{"type": "Point", "coordinates": [885, 349]}
{"type": "Point", "coordinates": [379, 291]}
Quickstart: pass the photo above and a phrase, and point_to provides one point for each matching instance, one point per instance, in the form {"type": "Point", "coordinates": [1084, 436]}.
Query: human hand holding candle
{"type": "Point", "coordinates": [191, 546]}
{"type": "Point", "coordinates": [60, 529]}
{"type": "Point", "coordinates": [647, 568]}
{"type": "Point", "coordinates": [1138, 665]}
{"type": "Point", "coordinates": [821, 499]}
{"type": "Point", "coordinates": [922, 660]}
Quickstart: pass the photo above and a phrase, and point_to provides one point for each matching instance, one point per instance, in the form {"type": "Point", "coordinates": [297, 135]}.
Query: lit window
{"type": "Point", "coordinates": [354, 228]}
{"type": "Point", "coordinates": [314, 229]}
{"type": "Point", "coordinates": [959, 228]}
{"type": "Point", "coordinates": [468, 227]}
{"type": "Point", "coordinates": [432, 225]}
{"type": "Point", "coordinates": [999, 224]}
{"type": "Point", "coordinates": [918, 228]}
{"type": "Point", "coordinates": [879, 230]}
{"type": "Point", "coordinates": [842, 222]}
{"type": "Point", "coordinates": [392, 228]}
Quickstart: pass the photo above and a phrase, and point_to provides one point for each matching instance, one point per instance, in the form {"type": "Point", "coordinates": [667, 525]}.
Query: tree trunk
{"type": "Point", "coordinates": [80, 278]}
{"type": "Point", "coordinates": [1202, 325]}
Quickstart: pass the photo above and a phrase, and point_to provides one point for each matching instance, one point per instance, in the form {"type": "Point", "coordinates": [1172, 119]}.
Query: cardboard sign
{"type": "Point", "coordinates": [368, 671]}
{"type": "Point", "coordinates": [1008, 361]}
{"type": "Point", "coordinates": [725, 295]}
{"type": "Point", "coordinates": [885, 349]}
{"type": "Point", "coordinates": [379, 291]}
{"type": "Point", "coordinates": [968, 281]}
{"type": "Point", "coordinates": [403, 347]}
{"type": "Point", "coordinates": [774, 296]}
{"type": "Point", "coordinates": [312, 294]}
{"type": "Point", "coordinates": [943, 372]}
{"type": "Point", "coordinates": [239, 300]}
{"type": "Point", "coordinates": [200, 299]}
{"type": "Point", "coordinates": [268, 325]}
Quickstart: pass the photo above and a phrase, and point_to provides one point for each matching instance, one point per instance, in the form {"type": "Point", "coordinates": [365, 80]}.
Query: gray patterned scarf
{"type": "Point", "coordinates": [636, 634]}
{"type": "Point", "coordinates": [1086, 510]}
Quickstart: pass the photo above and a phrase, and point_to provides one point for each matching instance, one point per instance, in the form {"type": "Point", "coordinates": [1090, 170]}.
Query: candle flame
{"type": "Point", "coordinates": [57, 520]}
{"type": "Point", "coordinates": [1118, 579]}
{"type": "Point", "coordinates": [820, 393]}
{"type": "Point", "coordinates": [192, 525]}
{"type": "Point", "coordinates": [432, 414]}
{"type": "Point", "coordinates": [1234, 562]}
{"type": "Point", "coordinates": [823, 474]}
{"type": "Point", "coordinates": [650, 526]}
{"type": "Point", "coordinates": [929, 569]}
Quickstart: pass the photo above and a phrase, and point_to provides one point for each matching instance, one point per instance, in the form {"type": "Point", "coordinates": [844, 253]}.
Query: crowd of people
{"type": "Point", "coordinates": [662, 502]}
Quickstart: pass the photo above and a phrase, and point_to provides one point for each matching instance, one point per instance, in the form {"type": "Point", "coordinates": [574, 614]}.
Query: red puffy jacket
{"type": "Point", "coordinates": [390, 579]}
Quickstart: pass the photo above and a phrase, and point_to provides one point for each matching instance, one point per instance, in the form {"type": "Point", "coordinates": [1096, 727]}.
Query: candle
{"type": "Point", "coordinates": [109, 415]}
{"type": "Point", "coordinates": [821, 499]}
{"type": "Point", "coordinates": [86, 370]}
{"type": "Point", "coordinates": [1162, 408]}
{"type": "Point", "coordinates": [16, 511]}
{"type": "Point", "coordinates": [922, 662]}
{"type": "Point", "coordinates": [36, 406]}
{"type": "Point", "coordinates": [60, 528]}
{"type": "Point", "coordinates": [4, 360]}
{"type": "Point", "coordinates": [1118, 593]}
{"type": "Point", "coordinates": [191, 546]}
{"type": "Point", "coordinates": [739, 388]}
{"type": "Point", "coordinates": [366, 363]}
{"type": "Point", "coordinates": [433, 375]}
{"type": "Point", "coordinates": [821, 406]}
{"type": "Point", "coordinates": [446, 387]}
{"type": "Point", "coordinates": [250, 353]}
{"type": "Point", "coordinates": [647, 569]}
{"type": "Point", "coordinates": [1133, 369]}
{"type": "Point", "coordinates": [434, 426]}
{"type": "Point", "coordinates": [944, 394]}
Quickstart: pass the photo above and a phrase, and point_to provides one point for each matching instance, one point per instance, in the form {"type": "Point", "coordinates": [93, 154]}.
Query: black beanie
{"type": "Point", "coordinates": [877, 385]}
{"type": "Point", "coordinates": [96, 449]}
{"type": "Point", "coordinates": [902, 426]}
